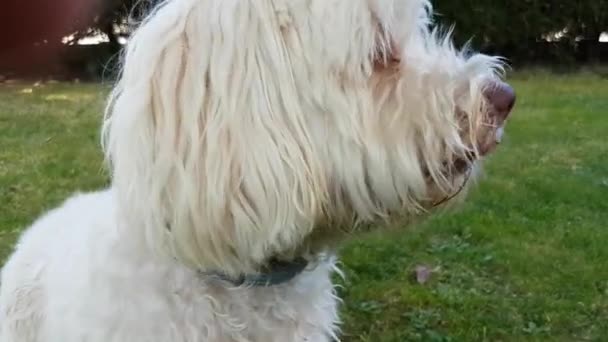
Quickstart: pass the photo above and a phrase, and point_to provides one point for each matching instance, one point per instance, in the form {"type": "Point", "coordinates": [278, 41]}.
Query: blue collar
{"type": "Point", "coordinates": [275, 273]}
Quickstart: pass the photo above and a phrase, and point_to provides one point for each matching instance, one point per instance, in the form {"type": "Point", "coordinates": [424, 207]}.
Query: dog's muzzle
{"type": "Point", "coordinates": [501, 100]}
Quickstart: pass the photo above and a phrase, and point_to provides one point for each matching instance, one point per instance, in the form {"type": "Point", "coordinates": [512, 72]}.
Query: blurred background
{"type": "Point", "coordinates": [81, 38]}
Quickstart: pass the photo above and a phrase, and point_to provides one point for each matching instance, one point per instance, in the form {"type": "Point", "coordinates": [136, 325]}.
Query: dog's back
{"type": "Point", "coordinates": [39, 254]}
{"type": "Point", "coordinates": [22, 297]}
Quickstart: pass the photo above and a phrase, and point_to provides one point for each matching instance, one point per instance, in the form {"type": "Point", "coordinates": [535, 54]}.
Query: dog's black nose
{"type": "Point", "coordinates": [502, 97]}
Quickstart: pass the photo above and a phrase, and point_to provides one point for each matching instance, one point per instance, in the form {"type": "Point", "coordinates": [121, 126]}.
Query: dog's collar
{"type": "Point", "coordinates": [275, 273]}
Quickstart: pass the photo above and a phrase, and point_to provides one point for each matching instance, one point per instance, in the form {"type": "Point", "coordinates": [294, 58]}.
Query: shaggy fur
{"type": "Point", "coordinates": [241, 131]}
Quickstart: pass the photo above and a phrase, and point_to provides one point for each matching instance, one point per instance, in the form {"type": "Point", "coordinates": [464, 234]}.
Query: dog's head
{"type": "Point", "coordinates": [239, 129]}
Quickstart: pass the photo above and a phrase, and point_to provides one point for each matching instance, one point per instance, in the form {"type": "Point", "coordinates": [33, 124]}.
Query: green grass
{"type": "Point", "coordinates": [526, 259]}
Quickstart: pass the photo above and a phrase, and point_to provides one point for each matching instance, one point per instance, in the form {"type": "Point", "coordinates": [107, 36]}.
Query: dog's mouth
{"type": "Point", "coordinates": [485, 146]}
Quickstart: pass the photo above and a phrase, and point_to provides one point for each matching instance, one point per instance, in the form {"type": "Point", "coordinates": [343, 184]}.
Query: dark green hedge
{"type": "Point", "coordinates": [517, 28]}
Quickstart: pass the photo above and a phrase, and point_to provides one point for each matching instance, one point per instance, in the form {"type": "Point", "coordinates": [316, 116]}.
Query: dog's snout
{"type": "Point", "coordinates": [502, 98]}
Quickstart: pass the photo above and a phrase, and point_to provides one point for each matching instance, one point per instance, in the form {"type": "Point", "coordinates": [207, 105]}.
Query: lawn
{"type": "Point", "coordinates": [526, 259]}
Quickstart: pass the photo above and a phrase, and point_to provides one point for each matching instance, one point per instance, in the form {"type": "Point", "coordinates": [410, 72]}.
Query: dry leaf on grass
{"type": "Point", "coordinates": [423, 273]}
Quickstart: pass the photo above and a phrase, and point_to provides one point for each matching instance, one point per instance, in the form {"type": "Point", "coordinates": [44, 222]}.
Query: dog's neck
{"type": "Point", "coordinates": [275, 273]}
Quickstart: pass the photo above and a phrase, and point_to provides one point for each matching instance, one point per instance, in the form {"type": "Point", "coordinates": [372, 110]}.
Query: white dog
{"type": "Point", "coordinates": [246, 139]}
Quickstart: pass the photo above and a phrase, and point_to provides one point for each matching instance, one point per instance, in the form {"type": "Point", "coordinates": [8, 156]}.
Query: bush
{"type": "Point", "coordinates": [529, 30]}
{"type": "Point", "coordinates": [525, 31]}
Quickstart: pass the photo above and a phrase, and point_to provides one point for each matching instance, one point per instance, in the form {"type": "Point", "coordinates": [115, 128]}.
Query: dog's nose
{"type": "Point", "coordinates": [502, 97]}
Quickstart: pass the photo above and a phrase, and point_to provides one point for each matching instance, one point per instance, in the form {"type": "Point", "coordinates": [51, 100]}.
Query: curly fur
{"type": "Point", "coordinates": [242, 130]}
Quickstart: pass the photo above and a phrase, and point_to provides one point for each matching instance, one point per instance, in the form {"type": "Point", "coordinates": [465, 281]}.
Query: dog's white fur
{"type": "Point", "coordinates": [242, 130]}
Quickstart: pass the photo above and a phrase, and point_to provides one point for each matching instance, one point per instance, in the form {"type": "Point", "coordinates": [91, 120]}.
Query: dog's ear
{"type": "Point", "coordinates": [206, 137]}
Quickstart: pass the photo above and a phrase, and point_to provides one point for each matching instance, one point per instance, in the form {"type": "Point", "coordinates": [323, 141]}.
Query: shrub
{"type": "Point", "coordinates": [529, 30]}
